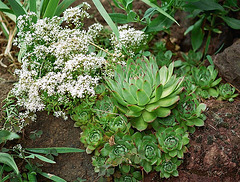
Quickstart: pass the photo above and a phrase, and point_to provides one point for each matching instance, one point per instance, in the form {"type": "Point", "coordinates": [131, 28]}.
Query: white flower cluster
{"type": "Point", "coordinates": [56, 62]}
{"type": "Point", "coordinates": [76, 15]}
{"type": "Point", "coordinates": [129, 38]}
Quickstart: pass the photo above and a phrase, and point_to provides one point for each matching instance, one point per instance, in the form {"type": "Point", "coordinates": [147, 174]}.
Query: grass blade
{"type": "Point", "coordinates": [8, 160]}
{"type": "Point", "coordinates": [63, 6]}
{"type": "Point", "coordinates": [17, 7]}
{"type": "Point", "coordinates": [52, 177]}
{"type": "Point", "coordinates": [106, 17]}
{"type": "Point", "coordinates": [160, 10]}
{"type": "Point", "coordinates": [51, 8]}
{"type": "Point", "coordinates": [60, 150]}
{"type": "Point", "coordinates": [33, 6]}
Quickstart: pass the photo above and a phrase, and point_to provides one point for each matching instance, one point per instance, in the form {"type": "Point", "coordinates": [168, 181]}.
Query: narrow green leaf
{"type": "Point", "coordinates": [33, 7]}
{"type": "Point", "coordinates": [43, 6]}
{"type": "Point", "coordinates": [63, 6]}
{"type": "Point", "coordinates": [52, 177]}
{"type": "Point", "coordinates": [197, 35]}
{"type": "Point", "coordinates": [119, 18]}
{"type": "Point", "coordinates": [60, 150]}
{"type": "Point", "coordinates": [6, 10]}
{"type": "Point", "coordinates": [106, 17]}
{"type": "Point", "coordinates": [207, 5]}
{"type": "Point", "coordinates": [42, 158]}
{"type": "Point", "coordinates": [168, 101]}
{"type": "Point", "coordinates": [8, 160]}
{"type": "Point", "coordinates": [7, 135]}
{"type": "Point", "coordinates": [17, 7]}
{"type": "Point", "coordinates": [159, 10]}
{"type": "Point", "coordinates": [51, 8]}
{"type": "Point", "coordinates": [231, 22]}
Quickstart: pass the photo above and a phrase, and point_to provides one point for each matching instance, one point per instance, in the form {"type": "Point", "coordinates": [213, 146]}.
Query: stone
{"type": "Point", "coordinates": [228, 64]}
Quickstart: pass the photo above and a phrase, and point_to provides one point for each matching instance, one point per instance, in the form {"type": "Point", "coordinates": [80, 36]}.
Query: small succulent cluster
{"type": "Point", "coordinates": [142, 122]}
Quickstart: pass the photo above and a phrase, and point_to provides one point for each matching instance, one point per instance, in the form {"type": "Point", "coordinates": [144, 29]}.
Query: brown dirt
{"type": "Point", "coordinates": [213, 150]}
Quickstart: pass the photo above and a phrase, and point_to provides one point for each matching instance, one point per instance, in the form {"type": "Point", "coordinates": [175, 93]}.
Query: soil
{"type": "Point", "coordinates": [213, 152]}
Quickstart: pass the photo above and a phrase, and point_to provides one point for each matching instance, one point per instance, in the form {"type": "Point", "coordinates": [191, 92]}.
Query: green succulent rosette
{"type": "Point", "coordinates": [118, 150]}
{"type": "Point", "coordinates": [92, 137]}
{"type": "Point", "coordinates": [167, 121]}
{"type": "Point", "coordinates": [169, 168]}
{"type": "Point", "coordinates": [82, 113]}
{"type": "Point", "coordinates": [105, 108]}
{"type": "Point", "coordinates": [119, 124]}
{"type": "Point", "coordinates": [144, 92]}
{"type": "Point", "coordinates": [172, 141]}
{"type": "Point", "coordinates": [148, 151]}
{"type": "Point", "coordinates": [189, 111]}
{"type": "Point", "coordinates": [205, 79]}
{"type": "Point", "coordinates": [226, 92]}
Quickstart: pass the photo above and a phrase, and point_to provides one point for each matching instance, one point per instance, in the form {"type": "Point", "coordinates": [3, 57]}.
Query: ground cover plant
{"type": "Point", "coordinates": [136, 109]}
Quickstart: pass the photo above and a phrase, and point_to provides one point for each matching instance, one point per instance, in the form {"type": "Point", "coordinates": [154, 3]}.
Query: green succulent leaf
{"type": "Point", "coordinates": [148, 116]}
{"type": "Point", "coordinates": [139, 123]}
{"type": "Point", "coordinates": [162, 112]}
{"type": "Point", "coordinates": [142, 97]}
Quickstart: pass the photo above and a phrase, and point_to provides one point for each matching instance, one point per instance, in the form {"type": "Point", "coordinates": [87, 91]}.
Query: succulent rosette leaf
{"type": "Point", "coordinates": [189, 111]}
{"type": "Point", "coordinates": [226, 92]}
{"type": "Point", "coordinates": [169, 168]}
{"type": "Point", "coordinates": [92, 137]}
{"type": "Point", "coordinates": [148, 150]}
{"type": "Point", "coordinates": [118, 150]}
{"type": "Point", "coordinates": [172, 141]}
{"type": "Point", "coordinates": [205, 79]}
{"type": "Point", "coordinates": [144, 92]}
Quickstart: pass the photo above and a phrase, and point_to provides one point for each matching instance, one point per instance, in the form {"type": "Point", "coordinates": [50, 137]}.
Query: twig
{"type": "Point", "coordinates": [234, 87]}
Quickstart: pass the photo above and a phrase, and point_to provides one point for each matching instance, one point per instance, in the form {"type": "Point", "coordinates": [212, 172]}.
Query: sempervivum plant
{"type": "Point", "coordinates": [189, 111]}
{"type": "Point", "coordinates": [119, 149]}
{"type": "Point", "coordinates": [119, 123]}
{"type": "Point", "coordinates": [169, 168]}
{"type": "Point", "coordinates": [145, 92]}
{"type": "Point", "coordinates": [148, 150]}
{"type": "Point", "coordinates": [92, 137]}
{"type": "Point", "coordinates": [172, 141]}
{"type": "Point", "coordinates": [205, 79]}
{"type": "Point", "coordinates": [226, 92]}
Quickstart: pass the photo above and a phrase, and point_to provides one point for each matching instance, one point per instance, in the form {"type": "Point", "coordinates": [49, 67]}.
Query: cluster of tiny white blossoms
{"type": "Point", "coordinates": [129, 38]}
{"type": "Point", "coordinates": [56, 61]}
{"type": "Point", "coordinates": [76, 15]}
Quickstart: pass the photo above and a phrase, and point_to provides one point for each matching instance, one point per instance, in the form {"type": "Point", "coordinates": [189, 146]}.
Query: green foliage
{"type": "Point", "coordinates": [205, 79]}
{"type": "Point", "coordinates": [172, 141]}
{"type": "Point", "coordinates": [169, 168]}
{"type": "Point", "coordinates": [145, 97]}
{"type": "Point", "coordinates": [226, 92]}
{"type": "Point", "coordinates": [206, 13]}
{"type": "Point", "coordinates": [92, 137]}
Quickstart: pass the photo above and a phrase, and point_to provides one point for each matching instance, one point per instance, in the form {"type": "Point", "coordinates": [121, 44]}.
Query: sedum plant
{"type": "Point", "coordinates": [226, 92]}
{"type": "Point", "coordinates": [144, 92]}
